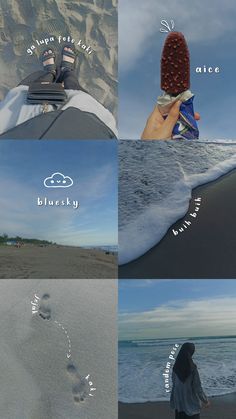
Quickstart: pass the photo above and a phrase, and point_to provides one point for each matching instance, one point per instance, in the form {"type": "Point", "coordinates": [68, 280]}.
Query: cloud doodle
{"type": "Point", "coordinates": [58, 180]}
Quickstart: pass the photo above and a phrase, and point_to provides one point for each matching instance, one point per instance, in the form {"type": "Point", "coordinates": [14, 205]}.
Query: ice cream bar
{"type": "Point", "coordinates": [175, 64]}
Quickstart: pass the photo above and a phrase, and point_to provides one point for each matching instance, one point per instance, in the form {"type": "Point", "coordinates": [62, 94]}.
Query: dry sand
{"type": "Point", "coordinates": [37, 380]}
{"type": "Point", "coordinates": [94, 22]}
{"type": "Point", "coordinates": [206, 249]}
{"type": "Point", "coordinates": [222, 407]}
{"type": "Point", "coordinates": [56, 262]}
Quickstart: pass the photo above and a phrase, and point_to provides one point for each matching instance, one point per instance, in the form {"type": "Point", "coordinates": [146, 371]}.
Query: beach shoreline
{"type": "Point", "coordinates": [221, 407]}
{"type": "Point", "coordinates": [43, 262]}
{"type": "Point", "coordinates": [205, 249]}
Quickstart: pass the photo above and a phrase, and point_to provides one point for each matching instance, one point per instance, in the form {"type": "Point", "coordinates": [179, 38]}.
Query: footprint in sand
{"type": "Point", "coordinates": [44, 308]}
{"type": "Point", "coordinates": [80, 386]}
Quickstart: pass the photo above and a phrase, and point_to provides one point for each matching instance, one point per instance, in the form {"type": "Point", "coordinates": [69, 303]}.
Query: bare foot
{"type": "Point", "coordinates": [66, 58]}
{"type": "Point", "coordinates": [49, 61]}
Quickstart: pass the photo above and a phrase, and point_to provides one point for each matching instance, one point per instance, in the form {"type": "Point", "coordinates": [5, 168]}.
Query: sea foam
{"type": "Point", "coordinates": [156, 183]}
{"type": "Point", "coordinates": [142, 363]}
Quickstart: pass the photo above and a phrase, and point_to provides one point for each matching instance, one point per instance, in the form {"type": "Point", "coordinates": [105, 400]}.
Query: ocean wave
{"type": "Point", "coordinates": [141, 368]}
{"type": "Point", "coordinates": [218, 141]}
{"type": "Point", "coordinates": [146, 217]}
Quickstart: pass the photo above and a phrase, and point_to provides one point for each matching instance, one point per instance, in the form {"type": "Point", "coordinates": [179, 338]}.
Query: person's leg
{"type": "Point", "coordinates": [46, 78]}
{"type": "Point", "coordinates": [68, 76]}
{"type": "Point", "coordinates": [70, 80]}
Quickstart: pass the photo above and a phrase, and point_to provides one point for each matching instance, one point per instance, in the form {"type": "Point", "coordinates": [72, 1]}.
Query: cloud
{"type": "Point", "coordinates": [94, 225]}
{"type": "Point", "coordinates": [19, 214]}
{"type": "Point", "coordinates": [138, 15]}
{"type": "Point", "coordinates": [139, 24]}
{"type": "Point", "coordinates": [207, 317]}
{"type": "Point", "coordinates": [145, 283]}
{"type": "Point", "coordinates": [98, 183]}
{"type": "Point", "coordinates": [133, 116]}
{"type": "Point", "coordinates": [58, 180]}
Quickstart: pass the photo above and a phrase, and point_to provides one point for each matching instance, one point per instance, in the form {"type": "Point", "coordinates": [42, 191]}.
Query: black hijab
{"type": "Point", "coordinates": [184, 364]}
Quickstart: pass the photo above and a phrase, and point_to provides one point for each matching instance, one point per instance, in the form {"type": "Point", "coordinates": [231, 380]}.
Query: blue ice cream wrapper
{"type": "Point", "coordinates": [186, 126]}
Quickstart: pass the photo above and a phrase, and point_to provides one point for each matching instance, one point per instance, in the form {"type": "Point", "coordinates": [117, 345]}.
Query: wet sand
{"type": "Point", "coordinates": [204, 250]}
{"type": "Point", "coordinates": [56, 262]}
{"type": "Point", "coordinates": [221, 407]}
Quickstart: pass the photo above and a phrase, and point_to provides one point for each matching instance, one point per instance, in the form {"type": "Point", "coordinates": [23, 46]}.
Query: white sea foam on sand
{"type": "Point", "coordinates": [156, 183]}
{"type": "Point", "coordinates": [37, 380]}
{"type": "Point", "coordinates": [142, 363]}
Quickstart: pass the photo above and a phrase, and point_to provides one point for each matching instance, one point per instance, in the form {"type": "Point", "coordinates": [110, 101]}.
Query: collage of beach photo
{"type": "Point", "coordinates": [118, 236]}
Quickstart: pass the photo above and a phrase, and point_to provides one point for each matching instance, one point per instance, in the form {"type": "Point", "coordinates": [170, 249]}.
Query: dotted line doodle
{"type": "Point", "coordinates": [68, 355]}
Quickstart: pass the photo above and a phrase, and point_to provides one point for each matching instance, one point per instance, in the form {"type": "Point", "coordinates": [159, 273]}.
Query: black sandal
{"type": "Point", "coordinates": [66, 65]}
{"type": "Point", "coordinates": [49, 68]}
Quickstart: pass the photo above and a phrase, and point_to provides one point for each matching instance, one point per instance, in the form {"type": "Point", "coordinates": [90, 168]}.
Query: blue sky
{"type": "Point", "coordinates": [210, 30]}
{"type": "Point", "coordinates": [93, 167]}
{"type": "Point", "coordinates": [176, 308]}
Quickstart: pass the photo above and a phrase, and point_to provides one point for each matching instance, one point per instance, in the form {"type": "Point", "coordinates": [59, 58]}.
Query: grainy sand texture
{"type": "Point", "coordinates": [37, 378]}
{"type": "Point", "coordinates": [56, 262]}
{"type": "Point", "coordinates": [93, 22]}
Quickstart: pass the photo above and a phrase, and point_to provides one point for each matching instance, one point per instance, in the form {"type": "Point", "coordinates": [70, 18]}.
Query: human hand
{"type": "Point", "coordinates": [158, 128]}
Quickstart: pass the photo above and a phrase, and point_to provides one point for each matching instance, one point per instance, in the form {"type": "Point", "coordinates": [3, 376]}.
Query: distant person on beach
{"type": "Point", "coordinates": [51, 104]}
{"type": "Point", "coordinates": [160, 128]}
{"type": "Point", "coordinates": [187, 393]}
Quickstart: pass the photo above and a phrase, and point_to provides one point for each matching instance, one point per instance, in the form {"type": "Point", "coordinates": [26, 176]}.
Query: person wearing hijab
{"type": "Point", "coordinates": [187, 393]}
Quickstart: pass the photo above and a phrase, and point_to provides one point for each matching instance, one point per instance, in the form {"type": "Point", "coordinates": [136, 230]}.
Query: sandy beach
{"type": "Point", "coordinates": [221, 407]}
{"type": "Point", "coordinates": [92, 23]}
{"type": "Point", "coordinates": [204, 250]}
{"type": "Point", "coordinates": [56, 262]}
{"type": "Point", "coordinates": [36, 377]}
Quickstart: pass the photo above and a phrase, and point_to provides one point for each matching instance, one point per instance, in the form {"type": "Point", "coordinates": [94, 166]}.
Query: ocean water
{"type": "Point", "coordinates": [142, 363]}
{"type": "Point", "coordinates": [108, 248]}
{"type": "Point", "coordinates": [155, 186]}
